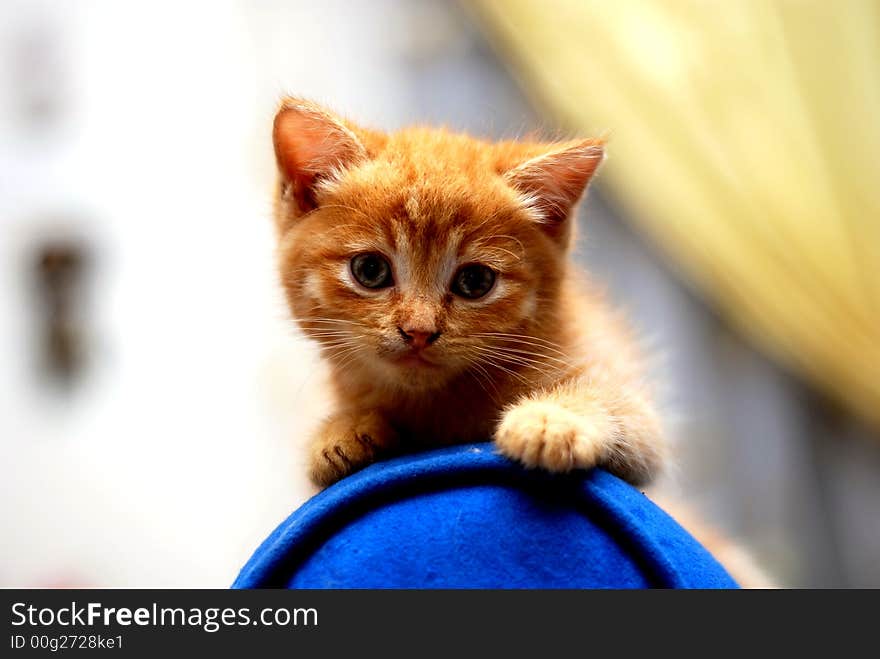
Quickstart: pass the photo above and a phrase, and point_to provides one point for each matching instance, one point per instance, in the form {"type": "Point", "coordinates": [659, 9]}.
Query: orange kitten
{"type": "Point", "coordinates": [433, 270]}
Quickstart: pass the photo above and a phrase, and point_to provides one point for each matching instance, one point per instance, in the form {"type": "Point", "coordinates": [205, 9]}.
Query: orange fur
{"type": "Point", "coordinates": [539, 363]}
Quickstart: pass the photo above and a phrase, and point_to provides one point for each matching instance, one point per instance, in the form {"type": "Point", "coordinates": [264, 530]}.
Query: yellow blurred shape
{"type": "Point", "coordinates": [745, 140]}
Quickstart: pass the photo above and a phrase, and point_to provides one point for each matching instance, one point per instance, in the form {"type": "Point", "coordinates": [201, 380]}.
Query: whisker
{"type": "Point", "coordinates": [319, 333]}
{"type": "Point", "coordinates": [345, 356]}
{"type": "Point", "coordinates": [525, 354]}
{"type": "Point", "coordinates": [504, 249]}
{"type": "Point", "coordinates": [331, 335]}
{"type": "Point", "coordinates": [476, 376]}
{"type": "Point", "coordinates": [518, 376]}
{"type": "Point", "coordinates": [337, 345]}
{"type": "Point", "coordinates": [525, 362]}
{"type": "Point", "coordinates": [512, 373]}
{"type": "Point", "coordinates": [521, 341]}
{"type": "Point", "coordinates": [351, 340]}
{"type": "Point", "coordinates": [330, 320]}
{"type": "Point", "coordinates": [517, 336]}
{"type": "Point", "coordinates": [535, 366]}
{"type": "Point", "coordinates": [338, 352]}
{"type": "Point", "coordinates": [514, 239]}
{"type": "Point", "coordinates": [536, 361]}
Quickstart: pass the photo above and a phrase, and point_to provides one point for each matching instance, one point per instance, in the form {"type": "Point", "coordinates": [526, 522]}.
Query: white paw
{"type": "Point", "coordinates": [546, 435]}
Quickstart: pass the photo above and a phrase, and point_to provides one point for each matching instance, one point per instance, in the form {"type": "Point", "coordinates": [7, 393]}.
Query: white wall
{"type": "Point", "coordinates": [179, 450]}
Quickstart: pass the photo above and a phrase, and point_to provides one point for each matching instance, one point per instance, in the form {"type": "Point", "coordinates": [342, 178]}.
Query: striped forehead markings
{"type": "Point", "coordinates": [412, 206]}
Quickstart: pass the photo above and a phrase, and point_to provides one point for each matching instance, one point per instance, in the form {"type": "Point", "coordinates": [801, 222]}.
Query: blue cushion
{"type": "Point", "coordinates": [466, 517]}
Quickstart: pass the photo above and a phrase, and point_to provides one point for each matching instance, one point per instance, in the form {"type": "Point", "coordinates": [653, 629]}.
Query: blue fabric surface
{"type": "Point", "coordinates": [465, 517]}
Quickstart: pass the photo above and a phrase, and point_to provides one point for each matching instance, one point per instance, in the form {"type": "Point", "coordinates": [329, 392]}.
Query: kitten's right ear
{"type": "Point", "coordinates": [554, 181]}
{"type": "Point", "coordinates": [311, 144]}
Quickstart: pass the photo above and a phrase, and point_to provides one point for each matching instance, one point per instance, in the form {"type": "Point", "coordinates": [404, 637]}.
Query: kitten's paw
{"type": "Point", "coordinates": [346, 443]}
{"type": "Point", "coordinates": [546, 435]}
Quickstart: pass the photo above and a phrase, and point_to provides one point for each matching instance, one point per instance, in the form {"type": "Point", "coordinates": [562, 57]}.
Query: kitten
{"type": "Point", "coordinates": [433, 270]}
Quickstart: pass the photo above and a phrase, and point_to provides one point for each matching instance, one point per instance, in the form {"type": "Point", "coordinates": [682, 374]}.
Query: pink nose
{"type": "Point", "coordinates": [418, 338]}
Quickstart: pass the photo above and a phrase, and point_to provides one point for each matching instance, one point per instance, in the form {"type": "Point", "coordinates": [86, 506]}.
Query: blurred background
{"type": "Point", "coordinates": [155, 396]}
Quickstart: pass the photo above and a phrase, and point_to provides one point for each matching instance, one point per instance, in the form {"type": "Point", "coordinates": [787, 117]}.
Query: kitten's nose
{"type": "Point", "coordinates": [418, 338]}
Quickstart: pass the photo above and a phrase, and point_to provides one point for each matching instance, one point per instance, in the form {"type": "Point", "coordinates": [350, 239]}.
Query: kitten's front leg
{"type": "Point", "coordinates": [347, 442]}
{"type": "Point", "coordinates": [579, 424]}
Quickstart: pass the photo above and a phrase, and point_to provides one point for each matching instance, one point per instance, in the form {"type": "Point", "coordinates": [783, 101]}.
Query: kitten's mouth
{"type": "Point", "coordinates": [414, 360]}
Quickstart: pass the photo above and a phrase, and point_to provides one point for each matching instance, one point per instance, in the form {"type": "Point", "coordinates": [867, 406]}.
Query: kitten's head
{"type": "Point", "coordinates": [411, 256]}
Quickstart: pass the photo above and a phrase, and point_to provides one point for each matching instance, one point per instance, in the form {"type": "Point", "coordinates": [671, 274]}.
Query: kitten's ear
{"type": "Point", "coordinates": [554, 182]}
{"type": "Point", "coordinates": [311, 144]}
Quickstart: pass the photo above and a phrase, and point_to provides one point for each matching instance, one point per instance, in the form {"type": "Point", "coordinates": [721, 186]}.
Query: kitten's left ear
{"type": "Point", "coordinates": [554, 182]}
{"type": "Point", "coordinates": [311, 144]}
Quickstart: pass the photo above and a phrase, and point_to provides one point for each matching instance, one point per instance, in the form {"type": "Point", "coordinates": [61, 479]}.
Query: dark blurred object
{"type": "Point", "coordinates": [59, 269]}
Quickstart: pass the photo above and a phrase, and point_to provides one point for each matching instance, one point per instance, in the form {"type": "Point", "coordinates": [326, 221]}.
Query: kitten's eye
{"type": "Point", "coordinates": [371, 271]}
{"type": "Point", "coordinates": [473, 281]}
